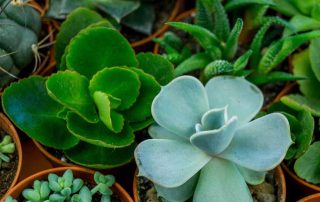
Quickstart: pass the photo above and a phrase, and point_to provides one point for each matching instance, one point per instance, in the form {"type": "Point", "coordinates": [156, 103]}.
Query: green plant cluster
{"type": "Point", "coordinates": [92, 107]}
{"type": "Point", "coordinates": [6, 147]}
{"type": "Point", "coordinates": [68, 189]}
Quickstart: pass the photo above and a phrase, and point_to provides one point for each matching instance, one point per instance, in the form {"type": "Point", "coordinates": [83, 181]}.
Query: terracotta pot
{"type": "Point", "coordinates": [299, 185]}
{"type": "Point", "coordinates": [8, 127]}
{"type": "Point", "coordinates": [279, 176]}
{"type": "Point", "coordinates": [142, 43]}
{"type": "Point", "coordinates": [85, 174]}
{"type": "Point", "coordinates": [312, 198]}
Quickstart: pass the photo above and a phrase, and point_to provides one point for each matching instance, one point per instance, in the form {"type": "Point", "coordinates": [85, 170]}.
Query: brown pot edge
{"type": "Point", "coordinates": [311, 198]}
{"type": "Point", "coordinates": [279, 175]}
{"type": "Point", "coordinates": [14, 134]}
{"type": "Point", "coordinates": [24, 183]}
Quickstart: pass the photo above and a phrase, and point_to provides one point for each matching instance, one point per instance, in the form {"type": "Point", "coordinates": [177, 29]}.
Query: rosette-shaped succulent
{"type": "Point", "coordinates": [205, 145]}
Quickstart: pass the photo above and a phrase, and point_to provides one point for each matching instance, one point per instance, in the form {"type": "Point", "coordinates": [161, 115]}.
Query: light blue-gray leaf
{"type": "Point", "coordinates": [221, 181]}
{"type": "Point", "coordinates": [214, 119]}
{"type": "Point", "coordinates": [181, 193]}
{"type": "Point", "coordinates": [181, 160]}
{"type": "Point", "coordinates": [158, 132]}
{"type": "Point", "coordinates": [242, 98]}
{"type": "Point", "coordinates": [252, 177]}
{"type": "Point", "coordinates": [261, 144]}
{"type": "Point", "coordinates": [180, 105]}
{"type": "Point", "coordinates": [214, 142]}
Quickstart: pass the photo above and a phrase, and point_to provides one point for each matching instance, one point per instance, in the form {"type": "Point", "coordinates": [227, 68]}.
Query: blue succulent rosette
{"type": "Point", "coordinates": [205, 143]}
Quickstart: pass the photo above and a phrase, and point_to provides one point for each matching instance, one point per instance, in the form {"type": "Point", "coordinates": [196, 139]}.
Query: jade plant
{"type": "Point", "coordinates": [6, 147]}
{"type": "Point", "coordinates": [220, 47]}
{"type": "Point", "coordinates": [205, 143]}
{"type": "Point", "coordinates": [69, 189]}
{"type": "Point", "coordinates": [20, 26]}
{"type": "Point", "coordinates": [92, 109]}
{"type": "Point", "coordinates": [130, 13]}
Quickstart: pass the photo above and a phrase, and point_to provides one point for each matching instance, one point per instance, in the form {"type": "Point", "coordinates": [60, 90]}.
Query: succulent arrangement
{"type": "Point", "coordinates": [68, 188]}
{"type": "Point", "coordinates": [205, 136]}
{"type": "Point", "coordinates": [95, 105]}
{"type": "Point", "coordinates": [6, 147]}
{"type": "Point", "coordinates": [20, 26]}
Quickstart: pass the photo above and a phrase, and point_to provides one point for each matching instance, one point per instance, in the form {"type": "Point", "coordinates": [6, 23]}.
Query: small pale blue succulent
{"type": "Point", "coordinates": [205, 145]}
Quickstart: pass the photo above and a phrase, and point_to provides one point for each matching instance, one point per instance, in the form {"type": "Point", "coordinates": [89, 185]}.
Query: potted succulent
{"type": "Point", "coordinates": [302, 108]}
{"type": "Point", "coordinates": [218, 50]}
{"type": "Point", "coordinates": [128, 16]}
{"type": "Point", "coordinates": [205, 144]}
{"type": "Point", "coordinates": [68, 184]}
{"type": "Point", "coordinates": [10, 155]}
{"type": "Point", "coordinates": [92, 109]}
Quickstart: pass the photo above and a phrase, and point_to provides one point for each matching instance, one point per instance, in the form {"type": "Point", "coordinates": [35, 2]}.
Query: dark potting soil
{"type": "Point", "coordinates": [163, 11]}
{"type": "Point", "coordinates": [7, 170]}
{"type": "Point", "coordinates": [58, 154]}
{"type": "Point", "coordinates": [265, 192]}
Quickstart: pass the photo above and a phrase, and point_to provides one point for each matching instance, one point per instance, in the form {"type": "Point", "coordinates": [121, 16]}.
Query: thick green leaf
{"type": "Point", "coordinates": [305, 7]}
{"type": "Point", "coordinates": [242, 61]}
{"type": "Point", "coordinates": [308, 165]}
{"type": "Point", "coordinates": [70, 89]}
{"type": "Point", "coordinates": [92, 156]}
{"type": "Point", "coordinates": [113, 120]}
{"type": "Point", "coordinates": [30, 108]}
{"type": "Point", "coordinates": [280, 50]}
{"type": "Point", "coordinates": [217, 67]}
{"type": "Point", "coordinates": [98, 133]}
{"type": "Point", "coordinates": [285, 7]}
{"type": "Point", "coordinates": [75, 22]}
{"type": "Point", "coordinates": [232, 43]}
{"type": "Point", "coordinates": [314, 57]}
{"type": "Point", "coordinates": [119, 82]}
{"type": "Point", "coordinates": [141, 109]}
{"type": "Point", "coordinates": [136, 126]}
{"type": "Point", "coordinates": [95, 48]}
{"type": "Point", "coordinates": [157, 66]}
{"type": "Point", "coordinates": [299, 102]}
{"type": "Point", "coordinates": [205, 37]}
{"type": "Point", "coordinates": [274, 76]}
{"type": "Point", "coordinates": [302, 23]}
{"type": "Point", "coordinates": [212, 16]}
{"type": "Point", "coordinates": [118, 8]}
{"type": "Point", "coordinates": [235, 4]}
{"type": "Point", "coordinates": [195, 62]}
{"type": "Point", "coordinates": [302, 68]}
{"type": "Point", "coordinates": [138, 20]}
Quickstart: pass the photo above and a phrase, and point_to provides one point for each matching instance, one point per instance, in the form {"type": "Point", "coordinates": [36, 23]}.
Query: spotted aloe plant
{"type": "Point", "coordinates": [205, 143]}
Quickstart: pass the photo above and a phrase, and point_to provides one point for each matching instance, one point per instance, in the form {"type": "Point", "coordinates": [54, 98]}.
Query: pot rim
{"type": "Point", "coordinates": [278, 173]}
{"type": "Point", "coordinates": [22, 184]}
{"type": "Point", "coordinates": [313, 196]}
{"type": "Point", "coordinates": [14, 134]}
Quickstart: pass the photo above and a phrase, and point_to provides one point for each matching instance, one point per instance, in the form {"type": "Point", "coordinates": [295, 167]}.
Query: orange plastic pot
{"type": "Point", "coordinates": [8, 127]}
{"type": "Point", "coordinates": [279, 176]}
{"type": "Point", "coordinates": [312, 198]}
{"type": "Point", "coordinates": [299, 185]}
{"type": "Point", "coordinates": [144, 42]}
{"type": "Point", "coordinates": [85, 174]}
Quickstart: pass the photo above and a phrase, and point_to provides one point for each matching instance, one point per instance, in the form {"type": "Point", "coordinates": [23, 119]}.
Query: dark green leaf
{"type": "Point", "coordinates": [157, 66]}
{"type": "Point", "coordinates": [231, 47]}
{"type": "Point", "coordinates": [119, 82]}
{"type": "Point", "coordinates": [195, 62]}
{"type": "Point", "coordinates": [99, 157]}
{"type": "Point", "coordinates": [93, 49]}
{"type": "Point", "coordinates": [30, 108]}
{"type": "Point", "coordinates": [314, 57]}
{"type": "Point", "coordinates": [275, 76]}
{"type": "Point", "coordinates": [98, 133]}
{"type": "Point", "coordinates": [71, 90]}
{"type": "Point", "coordinates": [235, 4]}
{"type": "Point", "coordinates": [299, 102]}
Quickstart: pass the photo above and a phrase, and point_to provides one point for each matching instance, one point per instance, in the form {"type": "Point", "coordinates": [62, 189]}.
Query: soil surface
{"type": "Point", "coordinates": [163, 11]}
{"type": "Point", "coordinates": [265, 192]}
{"type": "Point", "coordinates": [7, 170]}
